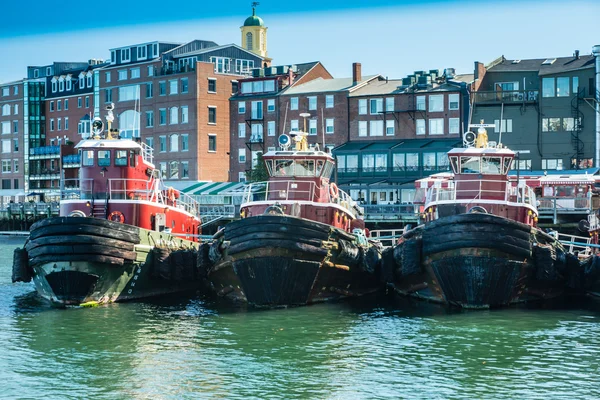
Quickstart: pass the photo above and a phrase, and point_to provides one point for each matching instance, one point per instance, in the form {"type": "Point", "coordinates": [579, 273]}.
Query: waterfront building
{"type": "Point", "coordinates": [12, 101]}
{"type": "Point", "coordinates": [545, 109]}
{"type": "Point", "coordinates": [259, 111]}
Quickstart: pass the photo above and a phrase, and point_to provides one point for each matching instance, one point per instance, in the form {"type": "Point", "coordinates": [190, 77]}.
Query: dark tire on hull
{"type": "Point", "coordinates": [77, 229]}
{"type": "Point", "coordinates": [79, 240]}
{"type": "Point", "coordinates": [82, 249]}
{"type": "Point", "coordinates": [477, 218]}
{"type": "Point", "coordinates": [514, 249]}
{"type": "Point", "coordinates": [21, 271]}
{"type": "Point", "coordinates": [33, 261]}
{"type": "Point", "coordinates": [260, 222]}
{"type": "Point", "coordinates": [259, 236]}
{"type": "Point", "coordinates": [293, 245]}
{"type": "Point", "coordinates": [103, 223]}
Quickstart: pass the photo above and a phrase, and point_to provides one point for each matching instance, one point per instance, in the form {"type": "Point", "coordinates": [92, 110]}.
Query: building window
{"type": "Point", "coordinates": [61, 86]}
{"type": "Point", "coordinates": [293, 103]}
{"type": "Point", "coordinates": [108, 95]}
{"type": "Point", "coordinates": [59, 124]}
{"type": "Point", "coordinates": [436, 126]}
{"type": "Point", "coordinates": [453, 102]}
{"type": "Point", "coordinates": [376, 106]}
{"type": "Point", "coordinates": [89, 80]}
{"type": "Point", "coordinates": [312, 102]}
{"type": "Point", "coordinates": [6, 166]}
{"type": "Point", "coordinates": [270, 105]}
{"type": "Point", "coordinates": [212, 143]}
{"type": "Point", "coordinates": [16, 169]}
{"type": "Point", "coordinates": [128, 93]}
{"type": "Point", "coordinates": [212, 115]}
{"type": "Point", "coordinates": [362, 128]}
{"type": "Point", "coordinates": [51, 124]}
{"type": "Point", "coordinates": [212, 85]}
{"type": "Point", "coordinates": [79, 102]}
{"type": "Point", "coordinates": [58, 105]}
{"type": "Point", "coordinates": [329, 101]}
{"type": "Point", "coordinates": [184, 85]}
{"type": "Point", "coordinates": [87, 102]}
{"type": "Point", "coordinates": [552, 163]}
{"type": "Point", "coordinates": [548, 88]}
{"type": "Point", "coordinates": [149, 119]}
{"type": "Point", "coordinates": [241, 156]}
{"type": "Point", "coordinates": [242, 130]}
{"type": "Point", "coordinates": [257, 110]}
{"type": "Point", "coordinates": [15, 90]}
{"type": "Point", "coordinates": [174, 142]}
{"type": "Point", "coordinates": [173, 86]}
{"type": "Point", "coordinates": [141, 52]}
{"type": "Point", "coordinates": [241, 107]}
{"type": "Point", "coordinates": [107, 76]}
{"type": "Point", "coordinates": [16, 107]}
{"type": "Point", "coordinates": [294, 125]}
{"type": "Point", "coordinates": [185, 146]}
{"type": "Point", "coordinates": [420, 127]}
{"type": "Point", "coordinates": [66, 123]}
{"type": "Point", "coordinates": [16, 125]}
{"type": "Point", "coordinates": [185, 169]}
{"type": "Point", "coordinates": [312, 127]}
{"type": "Point", "coordinates": [376, 128]}
{"type": "Point", "coordinates": [184, 114]}
{"type": "Point", "coordinates": [151, 70]}
{"type": "Point", "coordinates": [135, 73]}
{"type": "Point", "coordinates": [149, 90]}
{"type": "Point", "coordinates": [389, 127]}
{"type": "Point", "coordinates": [122, 74]}
{"type": "Point", "coordinates": [162, 142]}
{"type": "Point", "coordinates": [257, 133]}
{"type": "Point", "coordinates": [329, 127]}
{"type": "Point", "coordinates": [6, 108]}
{"type": "Point", "coordinates": [125, 55]}
{"type": "Point", "coordinates": [241, 176]}
{"type": "Point", "coordinates": [506, 125]}
{"type": "Point", "coordinates": [562, 87]}
{"type": "Point", "coordinates": [129, 124]}
{"type": "Point", "coordinates": [454, 125]}
{"type": "Point", "coordinates": [162, 88]}
{"type": "Point", "coordinates": [54, 88]}
{"type": "Point", "coordinates": [271, 128]}
{"type": "Point", "coordinates": [15, 145]}
{"type": "Point", "coordinates": [150, 141]}
{"type": "Point", "coordinates": [173, 115]}
{"type": "Point", "coordinates": [575, 85]}
{"type": "Point", "coordinates": [162, 116]}
{"type": "Point", "coordinates": [6, 127]}
{"type": "Point", "coordinates": [249, 41]}
{"type": "Point", "coordinates": [389, 104]}
{"type": "Point", "coordinates": [69, 84]}
{"type": "Point", "coordinates": [436, 103]}
{"type": "Point", "coordinates": [362, 106]}
{"type": "Point", "coordinates": [163, 170]}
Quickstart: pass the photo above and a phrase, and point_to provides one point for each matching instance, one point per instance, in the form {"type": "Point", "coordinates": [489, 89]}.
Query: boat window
{"type": "Point", "coordinates": [284, 168]}
{"type": "Point", "coordinates": [491, 165]}
{"type": "Point", "coordinates": [507, 164]}
{"type": "Point", "coordinates": [103, 158]}
{"type": "Point", "coordinates": [269, 164]}
{"type": "Point", "coordinates": [565, 191]}
{"type": "Point", "coordinates": [87, 157]}
{"type": "Point", "coordinates": [469, 165]}
{"type": "Point", "coordinates": [305, 168]}
{"type": "Point", "coordinates": [131, 158]}
{"type": "Point", "coordinates": [454, 163]}
{"type": "Point", "coordinates": [121, 158]}
{"type": "Point", "coordinates": [320, 165]}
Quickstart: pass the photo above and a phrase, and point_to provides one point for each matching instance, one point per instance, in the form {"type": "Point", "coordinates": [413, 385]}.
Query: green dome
{"type": "Point", "coordinates": [254, 21]}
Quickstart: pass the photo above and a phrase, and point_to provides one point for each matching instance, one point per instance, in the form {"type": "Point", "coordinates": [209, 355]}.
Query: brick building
{"type": "Point", "coordinates": [11, 129]}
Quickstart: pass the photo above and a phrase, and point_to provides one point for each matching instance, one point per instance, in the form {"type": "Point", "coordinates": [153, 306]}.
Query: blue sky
{"type": "Point", "coordinates": [391, 38]}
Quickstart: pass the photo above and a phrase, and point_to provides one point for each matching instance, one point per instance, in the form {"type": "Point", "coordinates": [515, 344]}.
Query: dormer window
{"type": "Point", "coordinates": [61, 85]}
{"type": "Point", "coordinates": [113, 56]}
{"type": "Point", "coordinates": [125, 55]}
{"type": "Point", "coordinates": [48, 71]}
{"type": "Point", "coordinates": [69, 84]}
{"type": "Point", "coordinates": [155, 50]}
{"type": "Point", "coordinates": [81, 81]}
{"type": "Point", "coordinates": [89, 80]}
{"type": "Point", "coordinates": [54, 86]}
{"type": "Point", "coordinates": [36, 73]}
{"type": "Point", "coordinates": [141, 52]}
{"type": "Point", "coordinates": [549, 61]}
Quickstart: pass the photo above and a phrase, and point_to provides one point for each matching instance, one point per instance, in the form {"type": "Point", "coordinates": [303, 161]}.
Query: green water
{"type": "Point", "coordinates": [188, 348]}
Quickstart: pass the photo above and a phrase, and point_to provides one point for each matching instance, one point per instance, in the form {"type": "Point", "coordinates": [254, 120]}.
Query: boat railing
{"type": "Point", "coordinates": [293, 190]}
{"type": "Point", "coordinates": [476, 190]}
{"type": "Point", "coordinates": [147, 153]}
{"type": "Point", "coordinates": [564, 205]}
{"type": "Point", "coordinates": [576, 243]}
{"type": "Point", "coordinates": [387, 237]}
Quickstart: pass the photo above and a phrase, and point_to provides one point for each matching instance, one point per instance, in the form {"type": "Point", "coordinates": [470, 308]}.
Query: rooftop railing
{"type": "Point", "coordinates": [506, 96]}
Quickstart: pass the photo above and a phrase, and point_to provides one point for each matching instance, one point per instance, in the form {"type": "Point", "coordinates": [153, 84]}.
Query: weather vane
{"type": "Point", "coordinates": [254, 4]}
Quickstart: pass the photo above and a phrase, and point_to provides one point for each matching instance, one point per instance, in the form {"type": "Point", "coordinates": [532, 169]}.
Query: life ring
{"type": "Point", "coordinates": [477, 209]}
{"type": "Point", "coordinates": [274, 210]}
{"type": "Point", "coordinates": [116, 216]}
{"type": "Point", "coordinates": [334, 191]}
{"type": "Point", "coordinates": [171, 194]}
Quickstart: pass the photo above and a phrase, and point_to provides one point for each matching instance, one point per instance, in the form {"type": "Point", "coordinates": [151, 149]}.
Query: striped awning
{"type": "Point", "coordinates": [214, 188]}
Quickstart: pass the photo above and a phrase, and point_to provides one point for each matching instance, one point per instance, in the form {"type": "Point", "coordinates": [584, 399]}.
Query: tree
{"type": "Point", "coordinates": [259, 173]}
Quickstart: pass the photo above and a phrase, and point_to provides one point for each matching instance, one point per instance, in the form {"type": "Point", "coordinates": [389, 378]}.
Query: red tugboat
{"type": "Point", "coordinates": [301, 240]}
{"type": "Point", "coordinates": [121, 234]}
{"type": "Point", "coordinates": [479, 246]}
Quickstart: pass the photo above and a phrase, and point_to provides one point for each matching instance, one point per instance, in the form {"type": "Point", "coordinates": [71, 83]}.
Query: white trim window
{"type": "Point", "coordinates": [242, 130]}
{"type": "Point", "coordinates": [421, 106]}
{"type": "Point", "coordinates": [376, 128]}
{"type": "Point", "coordinates": [556, 163]}
{"type": "Point", "coordinates": [185, 142]}
{"type": "Point", "coordinates": [453, 102]}
{"type": "Point", "coordinates": [174, 142]}
{"type": "Point", "coordinates": [436, 103]}
{"type": "Point", "coordinates": [6, 108]}
{"type": "Point", "coordinates": [184, 115]}
{"type": "Point", "coordinates": [312, 127]}
{"type": "Point", "coordinates": [271, 128]}
{"type": "Point", "coordinates": [69, 84]}
{"type": "Point", "coordinates": [312, 102]}
{"type": "Point", "coordinates": [173, 86]}
{"type": "Point", "coordinates": [107, 76]}
{"type": "Point", "coordinates": [125, 55]}
{"type": "Point", "coordinates": [141, 52]}
{"type": "Point", "coordinates": [135, 73]}
{"type": "Point", "coordinates": [390, 129]}
{"type": "Point", "coordinates": [122, 74]}
{"type": "Point", "coordinates": [242, 156]}
{"type": "Point", "coordinates": [271, 105]}
{"type": "Point", "coordinates": [293, 103]}
{"type": "Point", "coordinates": [362, 106]}
{"type": "Point", "coordinates": [329, 126]}
{"type": "Point", "coordinates": [173, 115]}
{"type": "Point", "coordinates": [329, 101]}
{"type": "Point", "coordinates": [16, 107]}
{"type": "Point", "coordinates": [241, 107]}
{"type": "Point", "coordinates": [453, 125]}
{"type": "Point", "coordinates": [508, 128]}
{"type": "Point", "coordinates": [294, 125]}
{"type": "Point", "coordinates": [241, 176]}
{"type": "Point", "coordinates": [362, 128]}
{"type": "Point", "coordinates": [376, 106]}
{"type": "Point", "coordinates": [436, 126]}
{"type": "Point", "coordinates": [89, 80]}
{"type": "Point", "coordinates": [389, 104]}
{"type": "Point", "coordinates": [54, 86]}
{"type": "Point", "coordinates": [420, 127]}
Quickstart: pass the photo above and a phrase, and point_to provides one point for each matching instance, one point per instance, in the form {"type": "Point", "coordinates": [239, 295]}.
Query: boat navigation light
{"type": "Point", "coordinates": [97, 126]}
{"type": "Point", "coordinates": [284, 141]}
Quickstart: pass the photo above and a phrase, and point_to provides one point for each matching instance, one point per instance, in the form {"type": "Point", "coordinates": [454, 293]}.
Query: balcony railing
{"type": "Point", "coordinates": [560, 205]}
{"type": "Point", "coordinates": [507, 96]}
{"type": "Point", "coordinates": [390, 212]}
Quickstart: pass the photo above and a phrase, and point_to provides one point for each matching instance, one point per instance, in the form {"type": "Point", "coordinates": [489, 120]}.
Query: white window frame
{"type": "Point", "coordinates": [390, 127]}
{"type": "Point", "coordinates": [436, 100]}
{"type": "Point", "coordinates": [363, 129]}
{"type": "Point", "coordinates": [242, 156]}
{"type": "Point", "coordinates": [436, 126]}
{"type": "Point", "coordinates": [453, 126]}
{"type": "Point", "coordinates": [329, 126]}
{"type": "Point", "coordinates": [293, 103]}
{"type": "Point", "coordinates": [453, 98]}
{"type": "Point", "coordinates": [362, 106]}
{"type": "Point", "coordinates": [420, 127]}
{"type": "Point", "coordinates": [329, 101]}
{"type": "Point", "coordinates": [312, 102]}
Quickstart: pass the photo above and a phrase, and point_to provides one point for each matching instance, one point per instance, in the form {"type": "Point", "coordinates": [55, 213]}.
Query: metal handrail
{"type": "Point", "coordinates": [576, 243]}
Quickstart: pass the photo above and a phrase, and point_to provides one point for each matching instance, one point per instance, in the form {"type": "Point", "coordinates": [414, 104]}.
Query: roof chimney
{"type": "Point", "coordinates": [576, 55]}
{"type": "Point", "coordinates": [356, 73]}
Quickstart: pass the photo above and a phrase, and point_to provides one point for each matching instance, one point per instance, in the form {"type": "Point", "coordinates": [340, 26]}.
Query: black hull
{"type": "Point", "coordinates": [477, 261]}
{"type": "Point", "coordinates": [271, 261]}
{"type": "Point", "coordinates": [75, 260]}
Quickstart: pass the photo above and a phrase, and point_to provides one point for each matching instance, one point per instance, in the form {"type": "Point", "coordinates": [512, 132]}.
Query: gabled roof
{"type": "Point", "coordinates": [559, 65]}
{"type": "Point", "coordinates": [320, 85]}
